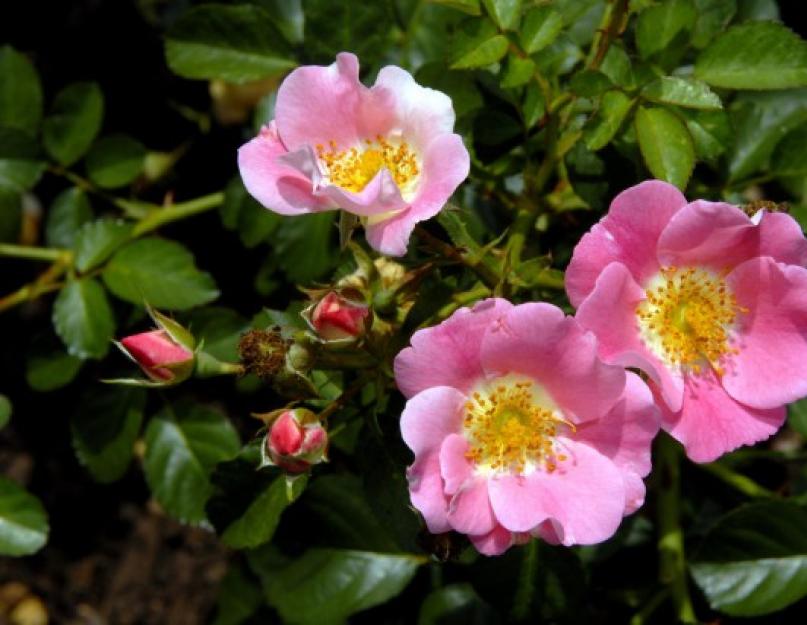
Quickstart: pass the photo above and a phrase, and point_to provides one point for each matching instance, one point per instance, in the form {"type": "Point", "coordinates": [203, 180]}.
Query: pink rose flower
{"type": "Point", "coordinates": [160, 357]}
{"type": "Point", "coordinates": [520, 430]}
{"type": "Point", "coordinates": [385, 153]}
{"type": "Point", "coordinates": [710, 303]}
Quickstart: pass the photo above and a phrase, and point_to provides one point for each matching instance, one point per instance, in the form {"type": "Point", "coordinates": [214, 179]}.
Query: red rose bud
{"type": "Point", "coordinates": [296, 440]}
{"type": "Point", "coordinates": [159, 356]}
{"type": "Point", "coordinates": [336, 318]}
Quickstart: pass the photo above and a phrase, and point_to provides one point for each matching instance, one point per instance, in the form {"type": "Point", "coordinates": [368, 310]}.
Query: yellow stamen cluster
{"type": "Point", "coordinates": [687, 317]}
{"type": "Point", "coordinates": [508, 431]}
{"type": "Point", "coordinates": [353, 168]}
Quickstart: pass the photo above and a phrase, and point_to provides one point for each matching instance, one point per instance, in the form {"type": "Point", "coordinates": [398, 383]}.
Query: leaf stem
{"type": "Point", "coordinates": [672, 563]}
{"type": "Point", "coordinates": [525, 591]}
{"type": "Point", "coordinates": [33, 253]}
{"type": "Point", "coordinates": [159, 217]}
{"type": "Point", "coordinates": [740, 482]}
{"type": "Point", "coordinates": [485, 273]}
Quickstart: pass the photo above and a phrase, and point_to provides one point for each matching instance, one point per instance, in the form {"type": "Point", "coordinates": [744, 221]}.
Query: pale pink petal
{"type": "Point", "coordinates": [448, 354]}
{"type": "Point", "coordinates": [446, 164]}
{"type": "Point", "coordinates": [455, 468]}
{"type": "Point", "coordinates": [610, 313]}
{"type": "Point", "coordinates": [627, 234]}
{"type": "Point", "coordinates": [430, 416]}
{"type": "Point", "coordinates": [634, 492]}
{"type": "Point", "coordinates": [421, 114]}
{"type": "Point", "coordinates": [539, 341]}
{"type": "Point", "coordinates": [426, 492]}
{"type": "Point", "coordinates": [584, 496]}
{"type": "Point", "coordinates": [493, 543]}
{"type": "Point", "coordinates": [711, 423]}
{"type": "Point", "coordinates": [469, 511]}
{"type": "Point", "coordinates": [771, 367]}
{"type": "Point", "coordinates": [318, 104]}
{"type": "Point", "coordinates": [781, 237]}
{"type": "Point", "coordinates": [276, 185]}
{"type": "Point", "coordinates": [624, 435]}
{"type": "Point", "coordinates": [380, 195]}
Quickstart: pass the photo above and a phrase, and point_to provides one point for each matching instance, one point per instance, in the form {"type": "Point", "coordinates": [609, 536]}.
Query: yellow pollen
{"type": "Point", "coordinates": [352, 168]}
{"type": "Point", "coordinates": [508, 431]}
{"type": "Point", "coordinates": [686, 318]}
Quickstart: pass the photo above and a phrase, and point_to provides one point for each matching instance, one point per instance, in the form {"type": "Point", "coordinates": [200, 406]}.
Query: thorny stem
{"type": "Point", "coordinates": [613, 22]}
{"type": "Point", "coordinates": [672, 563]}
{"type": "Point", "coordinates": [341, 401]}
{"type": "Point", "coordinates": [485, 273]}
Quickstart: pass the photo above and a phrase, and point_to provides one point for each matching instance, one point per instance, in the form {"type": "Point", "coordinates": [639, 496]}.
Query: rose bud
{"type": "Point", "coordinates": [295, 441]}
{"type": "Point", "coordinates": [336, 318]}
{"type": "Point", "coordinates": [159, 356]}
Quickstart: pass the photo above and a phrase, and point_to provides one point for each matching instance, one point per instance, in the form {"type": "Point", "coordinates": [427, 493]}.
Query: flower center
{"type": "Point", "coordinates": [687, 317]}
{"type": "Point", "coordinates": [511, 428]}
{"type": "Point", "coordinates": [352, 169]}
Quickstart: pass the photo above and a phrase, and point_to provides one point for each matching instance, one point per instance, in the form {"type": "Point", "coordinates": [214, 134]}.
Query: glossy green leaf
{"type": "Point", "coordinates": [754, 561]}
{"type": "Point", "coordinates": [755, 55]}
{"type": "Point", "coordinates": [306, 246]}
{"type": "Point", "coordinates": [713, 17]}
{"type": "Point", "coordinates": [471, 7]}
{"type": "Point", "coordinates": [20, 92]}
{"type": "Point", "coordinates": [797, 416]}
{"type": "Point", "coordinates": [666, 145]}
{"type": "Point", "coordinates": [455, 604]}
{"type": "Point", "coordinates": [219, 329]}
{"type": "Point", "coordinates": [477, 44]}
{"type": "Point", "coordinates": [104, 428]}
{"type": "Point", "coordinates": [614, 108]}
{"type": "Point", "coordinates": [74, 121]}
{"type": "Point", "coordinates": [660, 25]}
{"type": "Point", "coordinates": [48, 366]}
{"type": "Point", "coordinates": [589, 83]}
{"type": "Point", "coordinates": [790, 156]}
{"type": "Point", "coordinates": [233, 43]}
{"type": "Point", "coordinates": [518, 72]}
{"type": "Point", "coordinates": [115, 161]}
{"type": "Point", "coordinates": [239, 598]}
{"type": "Point", "coordinates": [240, 212]}
{"type": "Point", "coordinates": [23, 521]}
{"type": "Point", "coordinates": [83, 319]}
{"type": "Point", "coordinates": [5, 411]}
{"type": "Point", "coordinates": [20, 174]}
{"type": "Point", "coordinates": [69, 211]}
{"type": "Point", "coordinates": [184, 442]}
{"type": "Point", "coordinates": [258, 522]}
{"type": "Point", "coordinates": [97, 240]}
{"type": "Point", "coordinates": [343, 582]}
{"type": "Point", "coordinates": [540, 28]}
{"type": "Point", "coordinates": [684, 92]}
{"type": "Point", "coordinates": [160, 272]}
{"type": "Point", "coordinates": [748, 10]}
{"type": "Point", "coordinates": [760, 122]}
{"type": "Point", "coordinates": [711, 133]}
{"type": "Point", "coordinates": [504, 12]}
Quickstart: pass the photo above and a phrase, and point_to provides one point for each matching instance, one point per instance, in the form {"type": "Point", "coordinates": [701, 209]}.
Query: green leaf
{"type": "Point", "coordinates": [115, 161]}
{"type": "Point", "coordinates": [5, 411]}
{"type": "Point", "coordinates": [589, 83]}
{"type": "Point", "coordinates": [97, 240]}
{"type": "Point", "coordinates": [219, 329]}
{"type": "Point", "coordinates": [666, 145]}
{"type": "Point", "coordinates": [48, 366]}
{"type": "Point", "coordinates": [258, 523]}
{"type": "Point", "coordinates": [682, 92]}
{"type": "Point", "coordinates": [760, 122]}
{"type": "Point", "coordinates": [790, 158]}
{"type": "Point", "coordinates": [239, 598]}
{"type": "Point", "coordinates": [754, 561]}
{"type": "Point", "coordinates": [471, 7]}
{"type": "Point", "coordinates": [20, 92]}
{"type": "Point", "coordinates": [23, 521]}
{"type": "Point", "coordinates": [305, 246]}
{"type": "Point", "coordinates": [797, 416]}
{"type": "Point", "coordinates": [184, 442]}
{"type": "Point", "coordinates": [159, 272]}
{"type": "Point", "coordinates": [477, 44]}
{"type": "Point", "coordinates": [755, 55]}
{"type": "Point", "coordinates": [104, 429]}
{"type": "Point", "coordinates": [233, 43]}
{"type": "Point", "coordinates": [541, 27]}
{"type": "Point", "coordinates": [70, 210]}
{"type": "Point", "coordinates": [613, 110]}
{"type": "Point", "coordinates": [20, 174]}
{"type": "Point", "coordinates": [713, 17]}
{"type": "Point", "coordinates": [661, 25]}
{"type": "Point", "coordinates": [519, 71]}
{"type": "Point", "coordinates": [748, 10]}
{"type": "Point", "coordinates": [343, 582]}
{"type": "Point", "coordinates": [711, 132]}
{"type": "Point", "coordinates": [459, 86]}
{"type": "Point", "coordinates": [240, 212]}
{"type": "Point", "coordinates": [83, 319]}
{"type": "Point", "coordinates": [74, 122]}
{"type": "Point", "coordinates": [504, 12]}
{"type": "Point", "coordinates": [455, 604]}
{"type": "Point", "coordinates": [288, 16]}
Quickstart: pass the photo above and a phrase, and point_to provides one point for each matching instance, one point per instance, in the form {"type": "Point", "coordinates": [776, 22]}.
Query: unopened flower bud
{"type": "Point", "coordinates": [336, 318]}
{"type": "Point", "coordinates": [295, 441]}
{"type": "Point", "coordinates": [160, 357]}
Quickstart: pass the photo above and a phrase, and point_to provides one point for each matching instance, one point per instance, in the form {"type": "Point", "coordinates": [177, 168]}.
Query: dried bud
{"type": "Point", "coordinates": [295, 441]}
{"type": "Point", "coordinates": [263, 352]}
{"type": "Point", "coordinates": [336, 318]}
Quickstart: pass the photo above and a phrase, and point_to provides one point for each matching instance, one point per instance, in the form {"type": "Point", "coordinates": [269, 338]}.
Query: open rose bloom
{"type": "Point", "coordinates": [520, 430]}
{"type": "Point", "coordinates": [386, 153]}
{"type": "Point", "coordinates": [710, 303]}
